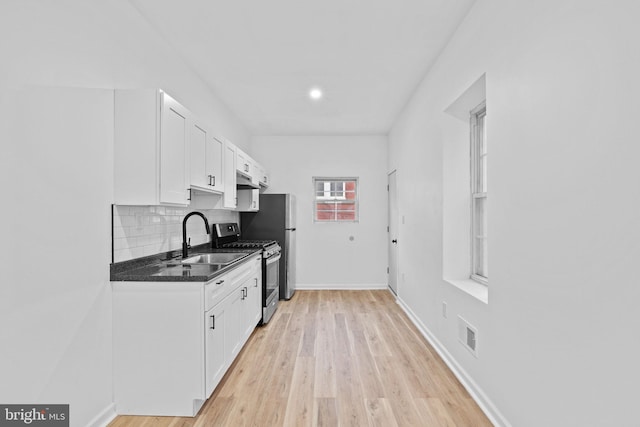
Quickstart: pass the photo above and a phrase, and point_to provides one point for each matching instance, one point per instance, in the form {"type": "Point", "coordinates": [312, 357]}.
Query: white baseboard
{"type": "Point", "coordinates": [340, 286]}
{"type": "Point", "coordinates": [105, 417]}
{"type": "Point", "coordinates": [487, 406]}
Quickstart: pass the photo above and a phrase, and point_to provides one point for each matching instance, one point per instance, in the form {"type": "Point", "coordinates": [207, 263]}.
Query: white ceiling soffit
{"type": "Point", "coordinates": [262, 57]}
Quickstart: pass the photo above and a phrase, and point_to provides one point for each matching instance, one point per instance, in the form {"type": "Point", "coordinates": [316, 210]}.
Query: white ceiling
{"type": "Point", "coordinates": [261, 57]}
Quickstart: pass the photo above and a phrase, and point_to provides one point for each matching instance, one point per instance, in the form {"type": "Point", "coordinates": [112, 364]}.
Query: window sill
{"type": "Point", "coordinates": [472, 288]}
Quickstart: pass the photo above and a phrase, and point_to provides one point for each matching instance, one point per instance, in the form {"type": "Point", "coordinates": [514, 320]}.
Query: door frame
{"type": "Point", "coordinates": [392, 190]}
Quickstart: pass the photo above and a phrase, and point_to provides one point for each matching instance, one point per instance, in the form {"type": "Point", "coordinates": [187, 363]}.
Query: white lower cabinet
{"type": "Point", "coordinates": [174, 341]}
{"type": "Point", "coordinates": [253, 300]}
{"type": "Point", "coordinates": [216, 332]}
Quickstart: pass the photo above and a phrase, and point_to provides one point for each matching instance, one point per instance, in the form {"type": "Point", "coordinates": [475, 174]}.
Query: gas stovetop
{"type": "Point", "coordinates": [227, 236]}
{"type": "Point", "coordinates": [250, 244]}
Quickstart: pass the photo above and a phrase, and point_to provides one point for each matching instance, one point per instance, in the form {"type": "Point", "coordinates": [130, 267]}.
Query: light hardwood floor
{"type": "Point", "coordinates": [334, 358]}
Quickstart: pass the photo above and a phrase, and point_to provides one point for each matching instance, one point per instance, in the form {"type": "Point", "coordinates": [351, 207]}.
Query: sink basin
{"type": "Point", "coordinates": [216, 258]}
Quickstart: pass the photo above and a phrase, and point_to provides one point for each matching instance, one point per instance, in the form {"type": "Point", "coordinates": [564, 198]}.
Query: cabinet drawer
{"type": "Point", "coordinates": [217, 289]}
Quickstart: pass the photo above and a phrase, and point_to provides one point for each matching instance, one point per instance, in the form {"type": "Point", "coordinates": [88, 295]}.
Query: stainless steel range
{"type": "Point", "coordinates": [227, 236]}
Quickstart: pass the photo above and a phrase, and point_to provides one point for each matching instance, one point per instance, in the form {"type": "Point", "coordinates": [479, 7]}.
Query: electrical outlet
{"type": "Point", "coordinates": [444, 309]}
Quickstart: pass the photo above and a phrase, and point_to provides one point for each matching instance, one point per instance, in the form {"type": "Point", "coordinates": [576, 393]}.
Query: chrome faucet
{"type": "Point", "coordinates": [186, 245]}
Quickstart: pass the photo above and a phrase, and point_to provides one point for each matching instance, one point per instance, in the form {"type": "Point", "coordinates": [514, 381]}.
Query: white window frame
{"type": "Point", "coordinates": [339, 196]}
{"type": "Point", "coordinates": [479, 188]}
{"type": "Point", "coordinates": [327, 191]}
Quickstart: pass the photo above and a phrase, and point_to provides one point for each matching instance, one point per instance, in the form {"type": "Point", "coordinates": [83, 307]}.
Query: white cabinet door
{"type": "Point", "coordinates": [215, 345]}
{"type": "Point", "coordinates": [151, 149]}
{"type": "Point", "coordinates": [248, 200]}
{"type": "Point", "coordinates": [255, 297]}
{"type": "Point", "coordinates": [242, 163]}
{"type": "Point", "coordinates": [229, 198]}
{"type": "Point", "coordinates": [252, 299]}
{"type": "Point", "coordinates": [214, 152]}
{"type": "Point", "coordinates": [235, 329]}
{"type": "Point", "coordinates": [206, 160]}
{"type": "Point", "coordinates": [198, 157]}
{"type": "Point", "coordinates": [263, 176]}
{"type": "Point", "coordinates": [173, 152]}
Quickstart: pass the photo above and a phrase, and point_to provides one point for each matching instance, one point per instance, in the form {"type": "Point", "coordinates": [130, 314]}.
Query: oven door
{"type": "Point", "coordinates": [271, 279]}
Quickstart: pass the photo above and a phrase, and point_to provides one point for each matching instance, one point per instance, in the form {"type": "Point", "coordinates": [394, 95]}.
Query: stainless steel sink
{"type": "Point", "coordinates": [215, 258]}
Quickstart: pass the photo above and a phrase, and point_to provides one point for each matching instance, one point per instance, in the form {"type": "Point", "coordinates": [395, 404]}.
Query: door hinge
{"type": "Point", "coordinates": [387, 270]}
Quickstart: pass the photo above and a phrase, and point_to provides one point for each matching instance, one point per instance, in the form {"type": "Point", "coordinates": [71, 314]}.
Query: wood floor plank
{"type": "Point", "coordinates": [325, 374]}
{"type": "Point", "coordinates": [300, 403]}
{"type": "Point", "coordinates": [398, 392]}
{"type": "Point", "coordinates": [325, 412]}
{"type": "Point", "coordinates": [334, 358]}
{"type": "Point", "coordinates": [380, 413]}
{"type": "Point", "coordinates": [375, 340]}
{"type": "Point", "coordinates": [366, 368]}
{"type": "Point", "coordinates": [308, 347]}
{"type": "Point", "coordinates": [433, 413]}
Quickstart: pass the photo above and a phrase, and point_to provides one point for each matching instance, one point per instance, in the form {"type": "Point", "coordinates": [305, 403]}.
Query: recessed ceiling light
{"type": "Point", "coordinates": [315, 93]}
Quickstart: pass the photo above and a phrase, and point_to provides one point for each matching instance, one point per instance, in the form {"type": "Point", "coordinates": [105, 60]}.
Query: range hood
{"type": "Point", "coordinates": [244, 183]}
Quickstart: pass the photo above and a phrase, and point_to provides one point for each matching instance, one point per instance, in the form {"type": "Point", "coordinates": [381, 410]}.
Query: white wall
{"type": "Point", "coordinates": [56, 170]}
{"type": "Point", "coordinates": [557, 342]}
{"type": "Point", "coordinates": [326, 258]}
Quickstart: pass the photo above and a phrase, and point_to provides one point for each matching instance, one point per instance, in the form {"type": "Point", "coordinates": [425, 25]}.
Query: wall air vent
{"type": "Point", "coordinates": [468, 336]}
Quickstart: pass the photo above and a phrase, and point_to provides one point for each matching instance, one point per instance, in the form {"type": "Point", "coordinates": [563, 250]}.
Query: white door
{"type": "Point", "coordinates": [393, 233]}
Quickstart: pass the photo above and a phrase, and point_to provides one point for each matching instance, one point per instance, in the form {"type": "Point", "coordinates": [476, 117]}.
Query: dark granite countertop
{"type": "Point", "coordinates": [167, 267]}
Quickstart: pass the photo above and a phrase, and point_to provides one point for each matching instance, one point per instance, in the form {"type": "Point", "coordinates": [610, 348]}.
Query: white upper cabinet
{"type": "Point", "coordinates": [248, 200]}
{"type": "Point", "coordinates": [229, 200]}
{"type": "Point", "coordinates": [151, 149]}
{"type": "Point", "coordinates": [215, 153]}
{"type": "Point", "coordinates": [198, 156]}
{"type": "Point", "coordinates": [263, 175]}
{"type": "Point", "coordinates": [243, 165]}
{"type": "Point", "coordinates": [247, 168]}
{"type": "Point", "coordinates": [206, 160]}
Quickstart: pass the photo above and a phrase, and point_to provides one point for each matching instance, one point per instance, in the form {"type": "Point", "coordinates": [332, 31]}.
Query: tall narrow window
{"type": "Point", "coordinates": [479, 235]}
{"type": "Point", "coordinates": [335, 199]}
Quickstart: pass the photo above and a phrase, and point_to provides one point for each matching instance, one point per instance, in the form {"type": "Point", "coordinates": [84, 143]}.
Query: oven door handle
{"type": "Point", "coordinates": [273, 259]}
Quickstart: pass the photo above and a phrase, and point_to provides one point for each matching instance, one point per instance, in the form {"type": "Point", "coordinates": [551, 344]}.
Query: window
{"type": "Point", "coordinates": [335, 199]}
{"type": "Point", "coordinates": [479, 267]}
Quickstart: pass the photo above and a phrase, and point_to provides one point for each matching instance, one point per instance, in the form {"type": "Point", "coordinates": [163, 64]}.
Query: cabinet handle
{"type": "Point", "coordinates": [214, 180]}
{"type": "Point", "coordinates": [213, 321]}
{"type": "Point", "coordinates": [188, 194]}
{"type": "Point", "coordinates": [256, 285]}
{"type": "Point", "coordinates": [246, 167]}
{"type": "Point", "coordinates": [219, 282]}
{"type": "Point", "coordinates": [265, 180]}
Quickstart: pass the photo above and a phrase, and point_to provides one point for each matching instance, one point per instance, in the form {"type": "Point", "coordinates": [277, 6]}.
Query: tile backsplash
{"type": "Point", "coordinates": [140, 231]}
